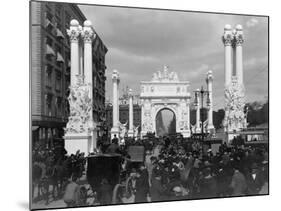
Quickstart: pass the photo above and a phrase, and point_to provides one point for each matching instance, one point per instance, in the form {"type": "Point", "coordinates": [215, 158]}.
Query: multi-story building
{"type": "Point", "coordinates": [50, 70]}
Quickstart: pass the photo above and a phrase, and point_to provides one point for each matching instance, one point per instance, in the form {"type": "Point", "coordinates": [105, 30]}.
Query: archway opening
{"type": "Point", "coordinates": [165, 122]}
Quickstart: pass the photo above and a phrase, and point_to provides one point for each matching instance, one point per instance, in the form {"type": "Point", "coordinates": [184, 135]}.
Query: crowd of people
{"type": "Point", "coordinates": [180, 171]}
{"type": "Point", "coordinates": [172, 169]}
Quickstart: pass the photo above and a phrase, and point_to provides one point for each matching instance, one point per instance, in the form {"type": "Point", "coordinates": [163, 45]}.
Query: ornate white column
{"type": "Point", "coordinates": [131, 114]}
{"type": "Point", "coordinates": [238, 40]}
{"type": "Point", "coordinates": [73, 34]}
{"type": "Point", "coordinates": [227, 40]}
{"type": "Point", "coordinates": [115, 124]}
{"type": "Point", "coordinates": [197, 105]}
{"type": "Point", "coordinates": [81, 62]}
{"type": "Point", "coordinates": [80, 131]}
{"type": "Point", "coordinates": [118, 101]}
{"type": "Point", "coordinates": [209, 81]}
{"type": "Point", "coordinates": [234, 119]}
{"type": "Point", "coordinates": [88, 36]}
{"type": "Point", "coordinates": [188, 115]}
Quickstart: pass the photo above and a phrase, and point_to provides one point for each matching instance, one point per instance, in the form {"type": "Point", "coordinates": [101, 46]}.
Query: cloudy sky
{"type": "Point", "coordinates": [141, 41]}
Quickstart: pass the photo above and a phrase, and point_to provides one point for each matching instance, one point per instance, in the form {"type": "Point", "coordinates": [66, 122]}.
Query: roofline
{"type": "Point", "coordinates": [76, 8]}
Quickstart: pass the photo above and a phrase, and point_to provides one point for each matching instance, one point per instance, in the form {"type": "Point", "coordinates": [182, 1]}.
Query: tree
{"type": "Point", "coordinates": [257, 113]}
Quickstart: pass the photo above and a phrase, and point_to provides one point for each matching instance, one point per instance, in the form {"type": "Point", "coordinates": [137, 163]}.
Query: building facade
{"type": "Point", "coordinates": [50, 71]}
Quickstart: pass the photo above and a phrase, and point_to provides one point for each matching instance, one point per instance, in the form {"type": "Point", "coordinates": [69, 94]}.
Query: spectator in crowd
{"type": "Point", "coordinates": [207, 184]}
{"type": "Point", "coordinates": [157, 189]}
{"type": "Point", "coordinates": [71, 196]}
{"type": "Point", "coordinates": [254, 180]}
{"type": "Point", "coordinates": [105, 192]}
{"type": "Point", "coordinates": [113, 147]}
{"type": "Point", "coordinates": [142, 185]}
{"type": "Point", "coordinates": [238, 183]}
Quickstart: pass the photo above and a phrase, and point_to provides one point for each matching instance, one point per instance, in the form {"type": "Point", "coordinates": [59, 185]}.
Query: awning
{"type": "Point", "coordinates": [49, 50]}
{"type": "Point", "coordinates": [59, 58]}
{"type": "Point", "coordinates": [48, 23]}
{"type": "Point", "coordinates": [34, 128]}
{"type": "Point", "coordinates": [60, 34]}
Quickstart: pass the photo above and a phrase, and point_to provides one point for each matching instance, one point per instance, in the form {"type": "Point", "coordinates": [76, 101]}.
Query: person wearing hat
{"type": "Point", "coordinates": [264, 171]}
{"type": "Point", "coordinates": [142, 185]}
{"type": "Point", "coordinates": [71, 192]}
{"type": "Point", "coordinates": [157, 188]}
{"type": "Point", "coordinates": [174, 179]}
{"type": "Point", "coordinates": [207, 184]}
{"type": "Point", "coordinates": [105, 192]}
{"type": "Point", "coordinates": [254, 180]}
{"type": "Point", "coordinates": [149, 164]}
{"type": "Point", "coordinates": [238, 183]}
{"type": "Point", "coordinates": [113, 147]}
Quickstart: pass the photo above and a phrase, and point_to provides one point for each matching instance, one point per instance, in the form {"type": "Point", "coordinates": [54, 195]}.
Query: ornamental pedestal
{"type": "Point", "coordinates": [143, 133]}
{"type": "Point", "coordinates": [131, 133]}
{"type": "Point", "coordinates": [80, 131]}
{"type": "Point", "coordinates": [186, 133]}
{"type": "Point", "coordinates": [84, 142]}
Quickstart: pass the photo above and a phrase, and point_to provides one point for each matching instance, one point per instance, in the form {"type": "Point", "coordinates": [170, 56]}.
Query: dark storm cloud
{"type": "Point", "coordinates": [141, 41]}
{"type": "Point", "coordinates": [152, 32]}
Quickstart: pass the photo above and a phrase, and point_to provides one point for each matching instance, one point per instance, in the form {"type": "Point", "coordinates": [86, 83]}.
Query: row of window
{"type": "Point", "coordinates": [57, 16]}
{"type": "Point", "coordinates": [56, 106]}
{"type": "Point", "coordinates": [57, 81]}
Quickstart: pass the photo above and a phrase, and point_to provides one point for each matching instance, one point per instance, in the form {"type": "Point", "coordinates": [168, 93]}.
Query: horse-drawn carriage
{"type": "Point", "coordinates": [109, 176]}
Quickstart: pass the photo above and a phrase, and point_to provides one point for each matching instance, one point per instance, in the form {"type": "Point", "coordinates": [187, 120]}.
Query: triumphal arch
{"type": "Point", "coordinates": [165, 91]}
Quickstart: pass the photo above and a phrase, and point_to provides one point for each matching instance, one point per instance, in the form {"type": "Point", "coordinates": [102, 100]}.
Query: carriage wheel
{"type": "Point", "coordinates": [116, 194]}
{"type": "Point", "coordinates": [129, 187]}
{"type": "Point", "coordinates": [56, 192]}
{"type": "Point", "coordinates": [82, 196]}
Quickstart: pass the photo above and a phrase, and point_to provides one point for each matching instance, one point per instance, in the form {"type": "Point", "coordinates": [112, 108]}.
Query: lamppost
{"type": "Point", "coordinates": [201, 94]}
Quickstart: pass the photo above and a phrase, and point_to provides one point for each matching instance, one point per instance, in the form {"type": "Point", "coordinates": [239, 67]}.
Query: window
{"type": "Point", "coordinates": [48, 101]}
{"type": "Point", "coordinates": [58, 48]}
{"type": "Point", "coordinates": [58, 106]}
{"type": "Point", "coordinates": [49, 41]}
{"type": "Point", "coordinates": [59, 59]}
{"type": "Point", "coordinates": [66, 110]}
{"type": "Point", "coordinates": [58, 81]}
{"type": "Point", "coordinates": [59, 32]}
{"type": "Point", "coordinates": [67, 83]}
{"type": "Point", "coordinates": [48, 73]}
{"type": "Point", "coordinates": [58, 11]}
{"type": "Point", "coordinates": [95, 82]}
{"type": "Point", "coordinates": [50, 53]}
{"type": "Point", "coordinates": [49, 22]}
{"type": "Point", "coordinates": [67, 20]}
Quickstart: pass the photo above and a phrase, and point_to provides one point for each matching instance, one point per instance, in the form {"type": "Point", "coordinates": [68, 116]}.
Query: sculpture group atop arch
{"type": "Point", "coordinates": [165, 91]}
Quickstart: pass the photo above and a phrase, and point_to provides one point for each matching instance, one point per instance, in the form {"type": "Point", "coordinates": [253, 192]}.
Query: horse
{"type": "Point", "coordinates": [36, 177]}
